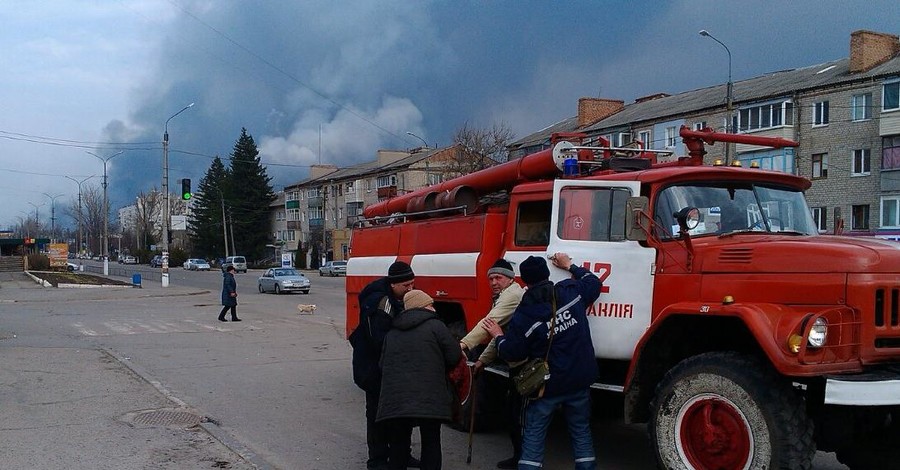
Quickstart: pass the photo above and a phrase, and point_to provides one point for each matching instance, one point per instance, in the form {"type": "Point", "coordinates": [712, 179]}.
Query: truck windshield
{"type": "Point", "coordinates": [728, 208]}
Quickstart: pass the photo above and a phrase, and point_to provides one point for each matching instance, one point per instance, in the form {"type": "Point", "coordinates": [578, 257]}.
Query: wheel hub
{"type": "Point", "coordinates": [714, 434]}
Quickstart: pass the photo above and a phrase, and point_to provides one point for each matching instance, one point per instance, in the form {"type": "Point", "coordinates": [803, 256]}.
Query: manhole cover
{"type": "Point", "coordinates": [166, 418]}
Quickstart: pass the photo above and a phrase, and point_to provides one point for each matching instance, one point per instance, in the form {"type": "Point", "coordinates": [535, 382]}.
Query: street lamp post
{"type": "Point", "coordinates": [80, 217]}
{"type": "Point", "coordinates": [165, 189]}
{"type": "Point", "coordinates": [52, 212]}
{"type": "Point", "coordinates": [104, 250]}
{"type": "Point", "coordinates": [423, 140]}
{"type": "Point", "coordinates": [37, 219]}
{"type": "Point", "coordinates": [728, 94]}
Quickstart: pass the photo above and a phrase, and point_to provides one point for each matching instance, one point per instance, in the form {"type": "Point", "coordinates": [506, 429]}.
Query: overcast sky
{"type": "Point", "coordinates": [350, 76]}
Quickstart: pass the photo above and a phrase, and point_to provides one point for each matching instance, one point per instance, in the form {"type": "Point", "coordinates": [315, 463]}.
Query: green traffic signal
{"type": "Point", "coordinates": [186, 189]}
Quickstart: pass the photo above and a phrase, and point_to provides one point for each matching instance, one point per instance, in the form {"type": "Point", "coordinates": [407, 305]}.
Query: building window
{"type": "Point", "coordinates": [820, 113]}
{"type": "Point", "coordinates": [293, 214]}
{"type": "Point", "coordinates": [313, 192]}
{"type": "Point", "coordinates": [861, 107]}
{"type": "Point", "coordinates": [890, 153]}
{"type": "Point", "coordinates": [699, 126]}
{"type": "Point", "coordinates": [293, 196]}
{"type": "Point", "coordinates": [385, 181]}
{"type": "Point", "coordinates": [435, 178]}
{"type": "Point", "coordinates": [279, 215]}
{"type": "Point", "coordinates": [354, 208]}
{"type": "Point", "coordinates": [369, 184]}
{"type": "Point", "coordinates": [820, 165]}
{"type": "Point", "coordinates": [350, 187]}
{"type": "Point", "coordinates": [820, 215]}
{"type": "Point", "coordinates": [315, 213]}
{"type": "Point", "coordinates": [670, 137]}
{"type": "Point", "coordinates": [891, 96]}
{"type": "Point", "coordinates": [624, 139]}
{"type": "Point", "coordinates": [645, 137]}
{"type": "Point", "coordinates": [764, 116]}
{"type": "Point", "coordinates": [890, 212]}
{"type": "Point", "coordinates": [861, 164]}
{"type": "Point", "coordinates": [860, 219]}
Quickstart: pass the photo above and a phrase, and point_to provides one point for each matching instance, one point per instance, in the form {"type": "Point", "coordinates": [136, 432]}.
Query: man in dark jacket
{"type": "Point", "coordinates": [379, 303]}
{"type": "Point", "coordinates": [418, 352]}
{"type": "Point", "coordinates": [573, 367]}
{"type": "Point", "coordinates": [229, 295]}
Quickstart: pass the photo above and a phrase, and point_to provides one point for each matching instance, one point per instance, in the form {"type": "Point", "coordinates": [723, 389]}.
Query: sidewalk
{"type": "Point", "coordinates": [65, 403]}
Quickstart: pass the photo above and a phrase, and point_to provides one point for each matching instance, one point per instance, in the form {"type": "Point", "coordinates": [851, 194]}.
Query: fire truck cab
{"type": "Point", "coordinates": [743, 337]}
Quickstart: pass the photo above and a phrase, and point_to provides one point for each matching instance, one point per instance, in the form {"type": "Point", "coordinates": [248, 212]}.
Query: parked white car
{"type": "Point", "coordinates": [196, 264]}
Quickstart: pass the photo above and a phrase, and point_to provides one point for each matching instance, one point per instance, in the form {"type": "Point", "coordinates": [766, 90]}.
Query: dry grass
{"type": "Point", "coordinates": [56, 279]}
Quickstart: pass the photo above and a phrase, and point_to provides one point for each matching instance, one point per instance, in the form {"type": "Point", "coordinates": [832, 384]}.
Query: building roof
{"type": "Point", "coordinates": [369, 168]}
{"type": "Point", "coordinates": [758, 89]}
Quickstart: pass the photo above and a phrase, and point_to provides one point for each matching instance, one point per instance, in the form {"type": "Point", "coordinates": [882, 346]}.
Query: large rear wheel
{"type": "Point", "coordinates": [727, 410]}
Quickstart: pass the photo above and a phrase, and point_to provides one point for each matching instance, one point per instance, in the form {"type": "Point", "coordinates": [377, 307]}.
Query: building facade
{"type": "Point", "coordinates": [844, 114]}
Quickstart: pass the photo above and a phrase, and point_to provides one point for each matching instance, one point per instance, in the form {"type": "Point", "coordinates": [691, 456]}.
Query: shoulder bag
{"type": "Point", "coordinates": [534, 374]}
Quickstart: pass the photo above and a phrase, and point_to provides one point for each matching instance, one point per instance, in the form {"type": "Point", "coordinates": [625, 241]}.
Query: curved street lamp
{"type": "Point", "coordinates": [728, 94]}
{"type": "Point", "coordinates": [80, 217]}
{"type": "Point", "coordinates": [104, 250]}
{"type": "Point", "coordinates": [52, 212]}
{"type": "Point", "coordinates": [165, 189]}
{"type": "Point", "coordinates": [423, 140]}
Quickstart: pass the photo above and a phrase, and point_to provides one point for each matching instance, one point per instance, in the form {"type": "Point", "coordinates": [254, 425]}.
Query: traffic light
{"type": "Point", "coordinates": [186, 189]}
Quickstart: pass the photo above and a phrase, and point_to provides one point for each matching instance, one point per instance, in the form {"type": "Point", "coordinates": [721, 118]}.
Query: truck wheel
{"type": "Point", "coordinates": [875, 448]}
{"type": "Point", "coordinates": [728, 410]}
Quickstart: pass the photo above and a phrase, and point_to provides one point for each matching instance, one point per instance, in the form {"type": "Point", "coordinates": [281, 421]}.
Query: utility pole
{"type": "Point", "coordinates": [224, 225]}
{"type": "Point", "coordinates": [165, 189]}
{"type": "Point", "coordinates": [728, 97]}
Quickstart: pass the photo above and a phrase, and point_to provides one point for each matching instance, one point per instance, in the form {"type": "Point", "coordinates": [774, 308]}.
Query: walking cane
{"type": "Point", "coordinates": [472, 419]}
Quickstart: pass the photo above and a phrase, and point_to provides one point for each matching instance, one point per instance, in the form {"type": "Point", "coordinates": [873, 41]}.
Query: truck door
{"type": "Point", "coordinates": [588, 223]}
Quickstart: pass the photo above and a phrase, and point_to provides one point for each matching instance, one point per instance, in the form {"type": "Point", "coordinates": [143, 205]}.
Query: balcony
{"type": "Point", "coordinates": [292, 204]}
{"type": "Point", "coordinates": [294, 225]}
{"type": "Point", "coordinates": [315, 202]}
{"type": "Point", "coordinates": [316, 223]}
{"type": "Point", "coordinates": [387, 192]}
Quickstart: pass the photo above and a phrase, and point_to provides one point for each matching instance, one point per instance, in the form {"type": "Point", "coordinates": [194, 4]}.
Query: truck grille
{"type": "Point", "coordinates": [887, 317]}
{"type": "Point", "coordinates": [886, 307]}
{"type": "Point", "coordinates": [736, 255]}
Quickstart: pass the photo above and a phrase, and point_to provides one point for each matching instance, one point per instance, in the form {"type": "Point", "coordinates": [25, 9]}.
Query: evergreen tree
{"type": "Point", "coordinates": [249, 192]}
{"type": "Point", "coordinates": [206, 227]}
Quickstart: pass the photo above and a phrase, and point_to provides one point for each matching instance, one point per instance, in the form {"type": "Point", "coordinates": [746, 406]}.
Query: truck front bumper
{"type": "Point", "coordinates": [879, 387]}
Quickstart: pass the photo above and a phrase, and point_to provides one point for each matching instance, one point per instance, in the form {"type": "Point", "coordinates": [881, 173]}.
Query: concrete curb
{"type": "Point", "coordinates": [208, 424]}
{"type": "Point", "coordinates": [38, 280]}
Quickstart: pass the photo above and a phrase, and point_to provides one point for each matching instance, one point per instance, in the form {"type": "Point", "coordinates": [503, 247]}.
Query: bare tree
{"type": "Point", "coordinates": [148, 217]}
{"type": "Point", "coordinates": [479, 148]}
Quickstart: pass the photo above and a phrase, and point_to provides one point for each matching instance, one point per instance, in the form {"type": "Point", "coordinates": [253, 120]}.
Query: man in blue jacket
{"type": "Point", "coordinates": [573, 367]}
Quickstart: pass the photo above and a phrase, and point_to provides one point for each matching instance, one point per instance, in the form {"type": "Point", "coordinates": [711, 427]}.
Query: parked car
{"type": "Point", "coordinates": [196, 264]}
{"type": "Point", "coordinates": [333, 268]}
{"type": "Point", "coordinates": [280, 280]}
{"type": "Point", "coordinates": [71, 267]}
{"type": "Point", "coordinates": [239, 263]}
{"type": "Point", "coordinates": [129, 259]}
{"type": "Point", "coordinates": [156, 261]}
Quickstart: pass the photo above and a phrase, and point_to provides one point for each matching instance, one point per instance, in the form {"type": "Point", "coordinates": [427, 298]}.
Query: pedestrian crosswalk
{"type": "Point", "coordinates": [145, 326]}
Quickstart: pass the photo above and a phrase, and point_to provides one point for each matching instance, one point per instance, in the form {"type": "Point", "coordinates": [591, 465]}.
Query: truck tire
{"type": "Point", "coordinates": [729, 410]}
{"type": "Point", "coordinates": [876, 448]}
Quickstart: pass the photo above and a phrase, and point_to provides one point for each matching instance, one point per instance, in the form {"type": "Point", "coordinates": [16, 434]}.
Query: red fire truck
{"type": "Point", "coordinates": [742, 336]}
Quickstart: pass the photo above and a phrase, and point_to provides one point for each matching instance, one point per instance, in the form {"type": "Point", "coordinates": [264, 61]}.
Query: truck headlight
{"type": "Point", "coordinates": [818, 334]}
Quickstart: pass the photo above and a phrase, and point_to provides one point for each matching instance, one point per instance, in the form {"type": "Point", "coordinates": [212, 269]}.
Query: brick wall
{"type": "Point", "coordinates": [869, 48]}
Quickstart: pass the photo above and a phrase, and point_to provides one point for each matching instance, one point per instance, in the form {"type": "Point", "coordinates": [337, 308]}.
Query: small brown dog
{"type": "Point", "coordinates": [306, 309]}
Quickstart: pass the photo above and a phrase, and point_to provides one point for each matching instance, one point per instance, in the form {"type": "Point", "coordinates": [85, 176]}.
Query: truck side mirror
{"type": "Point", "coordinates": [635, 207]}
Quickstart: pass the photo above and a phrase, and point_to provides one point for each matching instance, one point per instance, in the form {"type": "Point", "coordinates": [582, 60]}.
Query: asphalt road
{"type": "Point", "coordinates": [277, 384]}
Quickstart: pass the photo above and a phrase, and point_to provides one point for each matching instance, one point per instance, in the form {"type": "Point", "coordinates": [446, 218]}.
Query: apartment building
{"type": "Point", "coordinates": [845, 114]}
{"type": "Point", "coordinates": [322, 209]}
